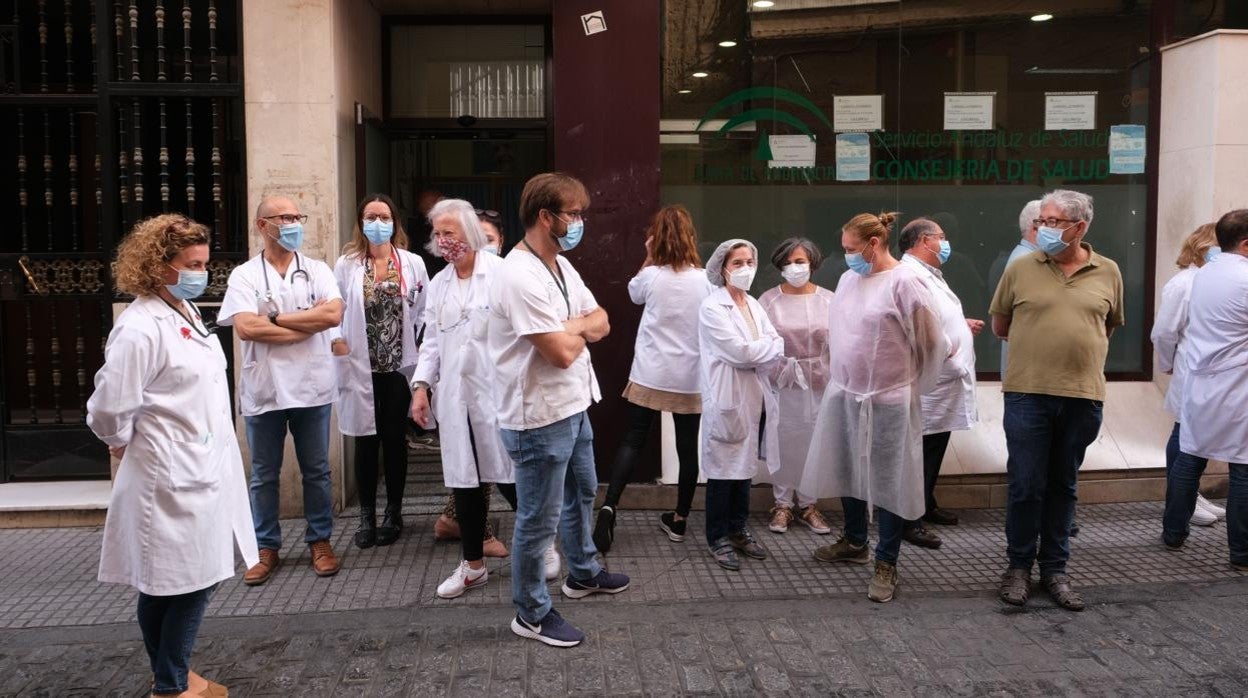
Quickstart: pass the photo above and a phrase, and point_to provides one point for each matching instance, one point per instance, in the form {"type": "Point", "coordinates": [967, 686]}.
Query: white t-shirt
{"type": "Point", "coordinates": [665, 356]}
{"type": "Point", "coordinates": [276, 376]}
{"type": "Point", "coordinates": [525, 300]}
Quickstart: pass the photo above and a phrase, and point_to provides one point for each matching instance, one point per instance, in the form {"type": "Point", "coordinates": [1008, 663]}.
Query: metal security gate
{"type": "Point", "coordinates": [109, 112]}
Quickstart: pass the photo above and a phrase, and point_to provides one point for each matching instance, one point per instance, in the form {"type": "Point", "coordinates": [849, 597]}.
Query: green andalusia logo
{"type": "Point", "coordinates": [764, 114]}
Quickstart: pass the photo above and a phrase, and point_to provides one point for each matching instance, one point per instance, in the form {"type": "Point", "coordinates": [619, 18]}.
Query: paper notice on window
{"type": "Point", "coordinates": [858, 112]}
{"type": "Point", "coordinates": [853, 157]}
{"type": "Point", "coordinates": [791, 151]}
{"type": "Point", "coordinates": [1126, 149]}
{"type": "Point", "coordinates": [969, 111]}
{"type": "Point", "coordinates": [1069, 111]}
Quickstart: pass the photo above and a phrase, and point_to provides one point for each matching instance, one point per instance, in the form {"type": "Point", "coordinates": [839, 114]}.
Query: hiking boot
{"type": "Point", "coordinates": [843, 551]}
{"type": "Point", "coordinates": [781, 519]}
{"type": "Point", "coordinates": [260, 572]}
{"type": "Point", "coordinates": [604, 529]}
{"type": "Point", "coordinates": [745, 544]}
{"type": "Point", "coordinates": [883, 584]}
{"type": "Point", "coordinates": [918, 535]}
{"type": "Point", "coordinates": [324, 562]}
{"type": "Point", "coordinates": [724, 555]}
{"type": "Point", "coordinates": [674, 529]}
{"type": "Point", "coordinates": [814, 520]}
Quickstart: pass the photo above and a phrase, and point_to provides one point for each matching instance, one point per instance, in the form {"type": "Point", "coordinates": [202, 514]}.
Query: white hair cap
{"type": "Point", "coordinates": [715, 265]}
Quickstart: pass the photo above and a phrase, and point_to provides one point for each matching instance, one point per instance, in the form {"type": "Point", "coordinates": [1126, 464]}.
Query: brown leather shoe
{"type": "Point", "coordinates": [445, 528]}
{"type": "Point", "coordinates": [324, 562]}
{"type": "Point", "coordinates": [260, 572]}
{"type": "Point", "coordinates": [493, 547]}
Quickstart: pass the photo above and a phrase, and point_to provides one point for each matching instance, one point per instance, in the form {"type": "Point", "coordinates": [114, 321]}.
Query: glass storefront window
{"type": "Point", "coordinates": [778, 84]}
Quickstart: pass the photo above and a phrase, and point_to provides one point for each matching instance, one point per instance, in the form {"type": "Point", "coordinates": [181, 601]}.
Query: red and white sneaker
{"type": "Point", "coordinates": [461, 580]}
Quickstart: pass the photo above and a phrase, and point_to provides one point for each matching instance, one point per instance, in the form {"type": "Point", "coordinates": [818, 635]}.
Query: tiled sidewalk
{"type": "Point", "coordinates": [48, 575]}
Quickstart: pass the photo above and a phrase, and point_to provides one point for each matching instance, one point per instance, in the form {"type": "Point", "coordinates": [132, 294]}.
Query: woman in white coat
{"type": "Point", "coordinates": [1169, 334]}
{"type": "Point", "coordinates": [799, 310]}
{"type": "Point", "coordinates": [454, 383]}
{"type": "Point", "coordinates": [179, 503]}
{"type": "Point", "coordinates": [739, 346]}
{"type": "Point", "coordinates": [383, 287]}
{"type": "Point", "coordinates": [887, 351]}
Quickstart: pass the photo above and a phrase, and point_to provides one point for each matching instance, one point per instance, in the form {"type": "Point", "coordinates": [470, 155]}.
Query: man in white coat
{"type": "Point", "coordinates": [281, 304]}
{"type": "Point", "coordinates": [950, 405]}
{"type": "Point", "coordinates": [1215, 403]}
{"type": "Point", "coordinates": [542, 319]}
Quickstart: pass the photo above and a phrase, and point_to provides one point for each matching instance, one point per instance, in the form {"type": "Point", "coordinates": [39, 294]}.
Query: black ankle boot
{"type": "Point", "coordinates": [391, 526]}
{"type": "Point", "coordinates": [366, 537]}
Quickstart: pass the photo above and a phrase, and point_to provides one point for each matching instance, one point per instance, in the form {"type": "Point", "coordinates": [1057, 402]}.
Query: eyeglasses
{"type": "Point", "coordinates": [1052, 222]}
{"type": "Point", "coordinates": [288, 218]}
{"type": "Point", "coordinates": [370, 217]}
{"type": "Point", "coordinates": [575, 214]}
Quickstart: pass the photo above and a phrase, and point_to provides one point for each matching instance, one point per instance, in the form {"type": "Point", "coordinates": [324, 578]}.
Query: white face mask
{"type": "Point", "coordinates": [796, 274]}
{"type": "Point", "coordinates": [742, 278]}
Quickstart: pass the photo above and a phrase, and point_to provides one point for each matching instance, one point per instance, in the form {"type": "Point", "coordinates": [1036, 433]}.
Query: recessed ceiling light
{"type": "Point", "coordinates": [683, 92]}
{"type": "Point", "coordinates": [763, 4]}
{"type": "Point", "coordinates": [727, 44]}
{"type": "Point", "coordinates": [1043, 17]}
{"type": "Point", "coordinates": [700, 74]}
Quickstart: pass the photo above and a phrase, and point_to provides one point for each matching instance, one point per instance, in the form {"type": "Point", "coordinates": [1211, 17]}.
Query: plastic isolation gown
{"type": "Point", "coordinates": [887, 350]}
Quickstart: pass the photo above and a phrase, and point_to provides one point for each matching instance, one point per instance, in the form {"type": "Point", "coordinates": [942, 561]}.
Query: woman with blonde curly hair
{"type": "Point", "coordinates": [179, 503]}
{"type": "Point", "coordinates": [867, 448]}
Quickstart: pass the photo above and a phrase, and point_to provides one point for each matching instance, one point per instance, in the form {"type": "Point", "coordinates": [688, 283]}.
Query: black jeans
{"type": "Point", "coordinates": [472, 507]}
{"type": "Point", "coordinates": [169, 625]}
{"type": "Point", "coordinates": [727, 508]}
{"type": "Point", "coordinates": [391, 400]}
{"type": "Point", "coordinates": [934, 447]}
{"type": "Point", "coordinates": [640, 419]}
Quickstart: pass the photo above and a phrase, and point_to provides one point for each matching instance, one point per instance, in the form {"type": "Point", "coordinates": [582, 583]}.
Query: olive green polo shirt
{"type": "Point", "coordinates": [1058, 338]}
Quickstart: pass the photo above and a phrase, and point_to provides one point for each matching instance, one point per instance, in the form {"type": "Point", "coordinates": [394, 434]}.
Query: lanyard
{"type": "Point", "coordinates": [206, 332]}
{"type": "Point", "coordinates": [398, 266]}
{"type": "Point", "coordinates": [563, 286]}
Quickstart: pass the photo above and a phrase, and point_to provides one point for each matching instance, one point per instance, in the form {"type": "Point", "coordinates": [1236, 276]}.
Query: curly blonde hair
{"type": "Point", "coordinates": [143, 256]}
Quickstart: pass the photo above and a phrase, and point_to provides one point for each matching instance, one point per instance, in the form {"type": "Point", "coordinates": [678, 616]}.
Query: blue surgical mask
{"type": "Point", "coordinates": [1211, 253]}
{"type": "Point", "coordinates": [290, 236]}
{"type": "Point", "coordinates": [378, 231]}
{"type": "Point", "coordinates": [1050, 240]}
{"type": "Point", "coordinates": [858, 263]}
{"type": "Point", "coordinates": [191, 284]}
{"type": "Point", "coordinates": [944, 252]}
{"type": "Point", "coordinates": [490, 249]}
{"type": "Point", "coordinates": [573, 237]}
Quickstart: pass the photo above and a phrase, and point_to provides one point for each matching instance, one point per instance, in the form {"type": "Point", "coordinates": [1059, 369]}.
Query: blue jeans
{"type": "Point", "coordinates": [1183, 471]}
{"type": "Point", "coordinates": [555, 488]}
{"type": "Point", "coordinates": [1046, 436]}
{"type": "Point", "coordinates": [169, 625]}
{"type": "Point", "coordinates": [727, 508]}
{"type": "Point", "coordinates": [890, 527]}
{"type": "Point", "coordinates": [266, 436]}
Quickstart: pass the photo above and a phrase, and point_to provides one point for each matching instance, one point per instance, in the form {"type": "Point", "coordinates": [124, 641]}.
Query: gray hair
{"type": "Point", "coordinates": [715, 265]}
{"type": "Point", "coordinates": [1027, 217]}
{"type": "Point", "coordinates": [780, 257]}
{"type": "Point", "coordinates": [1074, 205]}
{"type": "Point", "coordinates": [914, 231]}
{"type": "Point", "coordinates": [466, 213]}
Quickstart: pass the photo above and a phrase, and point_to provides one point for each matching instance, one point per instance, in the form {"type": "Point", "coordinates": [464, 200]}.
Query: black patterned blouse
{"type": "Point", "coordinates": [383, 318]}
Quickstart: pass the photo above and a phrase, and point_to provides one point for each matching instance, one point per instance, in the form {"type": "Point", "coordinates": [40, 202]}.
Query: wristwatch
{"type": "Point", "coordinates": [420, 384]}
{"type": "Point", "coordinates": [273, 316]}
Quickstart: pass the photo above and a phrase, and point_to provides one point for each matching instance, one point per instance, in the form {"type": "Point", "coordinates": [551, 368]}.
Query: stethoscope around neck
{"type": "Point", "coordinates": [297, 273]}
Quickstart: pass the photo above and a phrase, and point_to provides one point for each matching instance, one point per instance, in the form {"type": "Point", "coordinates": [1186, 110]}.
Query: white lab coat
{"type": "Point", "coordinates": [1169, 328]}
{"type": "Point", "coordinates": [1215, 349]}
{"type": "Point", "coordinates": [736, 388]}
{"type": "Point", "coordinates": [355, 380]}
{"type": "Point", "coordinates": [179, 502]}
{"type": "Point", "coordinates": [950, 405]}
{"type": "Point", "coordinates": [801, 320]}
{"type": "Point", "coordinates": [887, 350]}
{"type": "Point", "coordinates": [665, 355]}
{"type": "Point", "coordinates": [455, 362]}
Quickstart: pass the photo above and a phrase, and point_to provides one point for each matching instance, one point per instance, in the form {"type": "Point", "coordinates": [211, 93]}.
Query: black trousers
{"type": "Point", "coordinates": [472, 507]}
{"type": "Point", "coordinates": [640, 419]}
{"type": "Point", "coordinates": [391, 400]}
{"type": "Point", "coordinates": [934, 447]}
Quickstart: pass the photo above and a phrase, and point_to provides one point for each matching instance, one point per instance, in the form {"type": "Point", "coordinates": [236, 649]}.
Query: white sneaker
{"type": "Point", "coordinates": [461, 580]}
{"type": "Point", "coordinates": [1202, 503]}
{"type": "Point", "coordinates": [552, 562]}
{"type": "Point", "coordinates": [1203, 517]}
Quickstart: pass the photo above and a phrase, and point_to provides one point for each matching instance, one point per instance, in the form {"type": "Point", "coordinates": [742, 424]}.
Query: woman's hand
{"type": "Point", "coordinates": [339, 347]}
{"type": "Point", "coordinates": [420, 407]}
